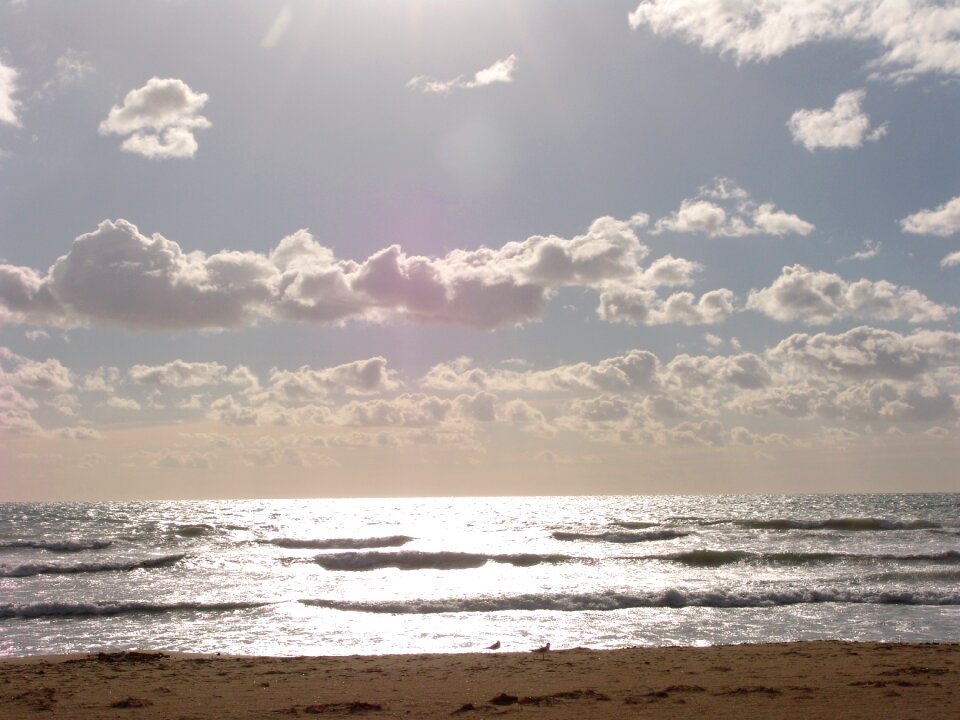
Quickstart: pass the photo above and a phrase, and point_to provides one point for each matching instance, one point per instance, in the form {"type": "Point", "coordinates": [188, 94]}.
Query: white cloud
{"type": "Point", "coordinates": [871, 248]}
{"type": "Point", "coordinates": [726, 210]}
{"type": "Point", "coordinates": [159, 119]}
{"type": "Point", "coordinates": [917, 36]}
{"type": "Point", "coordinates": [116, 276]}
{"type": "Point", "coordinates": [123, 403]}
{"type": "Point", "coordinates": [103, 379]}
{"type": "Point", "coordinates": [943, 221]}
{"type": "Point", "coordinates": [306, 384]}
{"type": "Point", "coordinates": [500, 72]}
{"type": "Point", "coordinates": [817, 297]}
{"type": "Point", "coordinates": [870, 353]}
{"type": "Point", "coordinates": [182, 374]}
{"type": "Point", "coordinates": [8, 88]}
{"type": "Point", "coordinates": [951, 260]}
{"type": "Point", "coordinates": [638, 306]}
{"type": "Point", "coordinates": [23, 372]}
{"type": "Point", "coordinates": [842, 126]}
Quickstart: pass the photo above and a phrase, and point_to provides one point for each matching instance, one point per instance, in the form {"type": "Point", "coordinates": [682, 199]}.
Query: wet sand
{"type": "Point", "coordinates": [795, 680]}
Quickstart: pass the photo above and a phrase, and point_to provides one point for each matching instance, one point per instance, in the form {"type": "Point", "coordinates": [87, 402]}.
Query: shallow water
{"type": "Point", "coordinates": [454, 574]}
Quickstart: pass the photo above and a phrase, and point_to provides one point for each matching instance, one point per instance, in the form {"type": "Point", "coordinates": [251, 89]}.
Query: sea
{"type": "Point", "coordinates": [450, 575]}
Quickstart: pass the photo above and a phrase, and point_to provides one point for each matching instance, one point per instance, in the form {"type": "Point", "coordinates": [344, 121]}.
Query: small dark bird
{"type": "Point", "coordinates": [543, 650]}
{"type": "Point", "coordinates": [495, 646]}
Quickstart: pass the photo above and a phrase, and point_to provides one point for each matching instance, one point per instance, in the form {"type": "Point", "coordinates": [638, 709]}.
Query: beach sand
{"type": "Point", "coordinates": [795, 680]}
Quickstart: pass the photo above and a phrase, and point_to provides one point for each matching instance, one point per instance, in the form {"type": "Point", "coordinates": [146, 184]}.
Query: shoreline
{"type": "Point", "coordinates": [797, 679]}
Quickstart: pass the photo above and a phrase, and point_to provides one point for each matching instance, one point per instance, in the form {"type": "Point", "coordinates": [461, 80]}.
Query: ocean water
{"type": "Point", "coordinates": [336, 577]}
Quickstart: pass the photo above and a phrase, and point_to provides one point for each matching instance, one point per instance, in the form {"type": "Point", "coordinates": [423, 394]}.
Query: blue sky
{"type": "Point", "coordinates": [309, 248]}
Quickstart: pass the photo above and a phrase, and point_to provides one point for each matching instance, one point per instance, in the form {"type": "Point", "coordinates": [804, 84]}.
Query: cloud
{"type": "Point", "coordinates": [726, 210]}
{"type": "Point", "coordinates": [816, 297]}
{"type": "Point", "coordinates": [158, 119]}
{"type": "Point", "coordinates": [951, 260]}
{"type": "Point", "coordinates": [870, 353]}
{"type": "Point", "coordinates": [842, 126]}
{"type": "Point", "coordinates": [943, 221]}
{"type": "Point", "coordinates": [23, 372]}
{"type": "Point", "coordinates": [306, 384]}
{"type": "Point", "coordinates": [917, 36]}
{"type": "Point", "coordinates": [871, 248]}
{"type": "Point", "coordinates": [72, 67]}
{"type": "Point", "coordinates": [8, 88]}
{"type": "Point", "coordinates": [637, 306]}
{"type": "Point", "coordinates": [117, 276]}
{"type": "Point", "coordinates": [500, 72]}
{"type": "Point", "coordinates": [181, 374]}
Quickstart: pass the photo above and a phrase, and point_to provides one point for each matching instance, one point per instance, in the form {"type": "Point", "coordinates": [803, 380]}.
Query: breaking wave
{"type": "Point", "coordinates": [622, 537]}
{"type": "Point", "coordinates": [851, 524]}
{"type": "Point", "coordinates": [671, 598]}
{"type": "Point", "coordinates": [31, 569]}
{"type": "Point", "coordinates": [716, 558]}
{"type": "Point", "coordinates": [57, 545]}
{"type": "Point", "coordinates": [414, 560]}
{"type": "Point", "coordinates": [342, 543]}
{"type": "Point", "coordinates": [195, 530]}
{"type": "Point", "coordinates": [634, 524]}
{"type": "Point", "coordinates": [40, 610]}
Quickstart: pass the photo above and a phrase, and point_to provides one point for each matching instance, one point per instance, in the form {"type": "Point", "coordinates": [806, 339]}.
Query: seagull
{"type": "Point", "coordinates": [543, 649]}
{"type": "Point", "coordinates": [495, 646]}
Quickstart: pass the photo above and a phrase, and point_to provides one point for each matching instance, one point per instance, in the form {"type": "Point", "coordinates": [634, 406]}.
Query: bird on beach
{"type": "Point", "coordinates": [495, 646]}
{"type": "Point", "coordinates": [543, 649]}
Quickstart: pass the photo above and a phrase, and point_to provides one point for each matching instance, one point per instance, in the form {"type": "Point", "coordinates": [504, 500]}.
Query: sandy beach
{"type": "Point", "coordinates": [827, 679]}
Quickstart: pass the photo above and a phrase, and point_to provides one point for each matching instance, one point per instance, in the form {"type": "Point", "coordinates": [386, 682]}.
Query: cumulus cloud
{"type": "Point", "coordinates": [116, 275]}
{"type": "Point", "coordinates": [917, 36]}
{"type": "Point", "coordinates": [726, 210]}
{"type": "Point", "coordinates": [638, 306]}
{"type": "Point", "coordinates": [8, 88]}
{"type": "Point", "coordinates": [499, 72]}
{"type": "Point", "coordinates": [817, 297]}
{"type": "Point", "coordinates": [870, 353]}
{"type": "Point", "coordinates": [943, 220]}
{"type": "Point", "coordinates": [20, 371]}
{"type": "Point", "coordinates": [182, 374]}
{"type": "Point", "coordinates": [306, 383]}
{"type": "Point", "coordinates": [842, 126]}
{"type": "Point", "coordinates": [158, 119]}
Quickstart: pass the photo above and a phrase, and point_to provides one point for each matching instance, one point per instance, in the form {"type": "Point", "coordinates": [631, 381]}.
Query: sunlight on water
{"type": "Point", "coordinates": [450, 575]}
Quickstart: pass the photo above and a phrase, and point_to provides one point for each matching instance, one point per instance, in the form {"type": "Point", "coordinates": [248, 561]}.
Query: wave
{"type": "Point", "coordinates": [342, 543]}
{"type": "Point", "coordinates": [852, 524]}
{"type": "Point", "coordinates": [194, 530]}
{"type": "Point", "coordinates": [670, 598]}
{"type": "Point", "coordinates": [40, 610]}
{"type": "Point", "coordinates": [716, 558]}
{"type": "Point", "coordinates": [31, 569]}
{"type": "Point", "coordinates": [621, 537]}
{"type": "Point", "coordinates": [633, 524]}
{"type": "Point", "coordinates": [57, 545]}
{"type": "Point", "coordinates": [414, 560]}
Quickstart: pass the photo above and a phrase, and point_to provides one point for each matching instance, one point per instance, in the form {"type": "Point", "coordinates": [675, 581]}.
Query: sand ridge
{"type": "Point", "coordinates": [830, 679]}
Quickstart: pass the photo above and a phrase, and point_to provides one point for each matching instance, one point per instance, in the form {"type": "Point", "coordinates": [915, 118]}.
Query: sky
{"type": "Point", "coordinates": [306, 249]}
